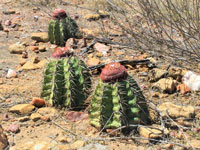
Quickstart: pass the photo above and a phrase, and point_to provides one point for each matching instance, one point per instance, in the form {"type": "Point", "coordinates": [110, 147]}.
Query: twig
{"type": "Point", "coordinates": [115, 138]}
{"type": "Point", "coordinates": [89, 47]}
{"type": "Point", "coordinates": [125, 62]}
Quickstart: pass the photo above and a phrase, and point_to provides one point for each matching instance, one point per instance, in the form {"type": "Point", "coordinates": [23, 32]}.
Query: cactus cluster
{"type": "Point", "coordinates": [61, 28]}
{"type": "Point", "coordinates": [117, 100]}
{"type": "Point", "coordinates": [66, 82]}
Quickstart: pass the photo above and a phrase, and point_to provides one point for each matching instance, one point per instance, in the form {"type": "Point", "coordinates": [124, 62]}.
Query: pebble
{"type": "Point", "coordinates": [14, 128]}
{"type": "Point", "coordinates": [11, 74]}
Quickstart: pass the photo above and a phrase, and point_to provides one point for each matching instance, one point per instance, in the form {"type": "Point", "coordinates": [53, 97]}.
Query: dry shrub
{"type": "Point", "coordinates": [168, 28]}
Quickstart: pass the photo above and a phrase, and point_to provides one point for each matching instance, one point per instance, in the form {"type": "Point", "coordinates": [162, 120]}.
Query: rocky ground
{"type": "Point", "coordinates": [25, 50]}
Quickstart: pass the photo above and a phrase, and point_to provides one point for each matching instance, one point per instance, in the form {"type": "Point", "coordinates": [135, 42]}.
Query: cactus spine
{"type": "Point", "coordinates": [66, 82]}
{"type": "Point", "coordinates": [117, 100]}
{"type": "Point", "coordinates": [61, 28]}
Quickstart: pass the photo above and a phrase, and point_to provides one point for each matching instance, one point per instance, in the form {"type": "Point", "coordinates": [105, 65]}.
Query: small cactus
{"type": "Point", "coordinates": [117, 100]}
{"type": "Point", "coordinates": [66, 82]}
{"type": "Point", "coordinates": [61, 28]}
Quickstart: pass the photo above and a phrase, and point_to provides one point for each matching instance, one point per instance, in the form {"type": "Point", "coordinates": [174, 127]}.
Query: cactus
{"type": "Point", "coordinates": [61, 28]}
{"type": "Point", "coordinates": [66, 82]}
{"type": "Point", "coordinates": [117, 100]}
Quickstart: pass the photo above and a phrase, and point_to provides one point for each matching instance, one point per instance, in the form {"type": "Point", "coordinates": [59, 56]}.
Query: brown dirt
{"type": "Point", "coordinates": [28, 83]}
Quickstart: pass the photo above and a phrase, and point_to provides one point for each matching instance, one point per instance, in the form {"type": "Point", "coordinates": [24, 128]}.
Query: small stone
{"type": "Point", "coordinates": [29, 66]}
{"type": "Point", "coordinates": [38, 102]}
{"type": "Point", "coordinates": [148, 132]}
{"type": "Point", "coordinates": [166, 85]}
{"type": "Point", "coordinates": [40, 37]}
{"type": "Point", "coordinates": [93, 61]}
{"type": "Point", "coordinates": [1, 26]}
{"type": "Point", "coordinates": [91, 17]}
{"type": "Point", "coordinates": [3, 139]}
{"type": "Point", "coordinates": [176, 73]}
{"type": "Point", "coordinates": [35, 116]}
{"type": "Point", "coordinates": [33, 48]}
{"type": "Point", "coordinates": [81, 43]}
{"type": "Point", "coordinates": [41, 146]}
{"type": "Point", "coordinates": [101, 48]}
{"type": "Point", "coordinates": [17, 48]}
{"type": "Point", "coordinates": [45, 118]}
{"type": "Point", "coordinates": [47, 111]}
{"type": "Point", "coordinates": [42, 48]}
{"type": "Point", "coordinates": [175, 111]}
{"type": "Point", "coordinates": [168, 146]}
{"type": "Point", "coordinates": [195, 143]}
{"type": "Point", "coordinates": [24, 54]}
{"type": "Point", "coordinates": [22, 108]}
{"type": "Point", "coordinates": [22, 62]}
{"type": "Point", "coordinates": [8, 12]}
{"type": "Point", "coordinates": [77, 144]}
{"type": "Point", "coordinates": [70, 43]}
{"type": "Point", "coordinates": [23, 119]}
{"type": "Point", "coordinates": [14, 128]}
{"type": "Point", "coordinates": [156, 74]}
{"type": "Point", "coordinates": [11, 74]}
{"type": "Point", "coordinates": [5, 117]}
{"type": "Point", "coordinates": [8, 23]}
{"type": "Point", "coordinates": [65, 139]}
{"type": "Point", "coordinates": [35, 59]}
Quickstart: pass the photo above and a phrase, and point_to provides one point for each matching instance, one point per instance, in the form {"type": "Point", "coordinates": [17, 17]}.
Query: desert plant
{"type": "Point", "coordinates": [62, 27]}
{"type": "Point", "coordinates": [66, 82]}
{"type": "Point", "coordinates": [117, 100]}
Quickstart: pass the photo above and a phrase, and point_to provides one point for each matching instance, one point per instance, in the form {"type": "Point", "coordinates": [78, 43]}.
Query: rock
{"type": "Point", "coordinates": [8, 23]}
{"type": "Point", "coordinates": [65, 139]}
{"type": "Point", "coordinates": [8, 12]}
{"type": "Point", "coordinates": [166, 85]}
{"type": "Point", "coordinates": [156, 74]}
{"type": "Point", "coordinates": [42, 63]}
{"type": "Point", "coordinates": [176, 73]}
{"type": "Point", "coordinates": [14, 128]}
{"type": "Point", "coordinates": [11, 74]}
{"type": "Point", "coordinates": [60, 52]}
{"type": "Point", "coordinates": [93, 61]}
{"type": "Point", "coordinates": [22, 108]}
{"type": "Point", "coordinates": [94, 146]}
{"type": "Point", "coordinates": [24, 54]}
{"type": "Point", "coordinates": [192, 80]}
{"type": "Point", "coordinates": [35, 116]}
{"type": "Point", "coordinates": [74, 116]}
{"type": "Point", "coordinates": [47, 111]}
{"type": "Point", "coordinates": [81, 43]}
{"type": "Point", "coordinates": [77, 144]}
{"type": "Point", "coordinates": [101, 48]}
{"type": "Point", "coordinates": [195, 144]}
{"type": "Point", "coordinates": [3, 139]}
{"type": "Point", "coordinates": [154, 132]}
{"type": "Point", "coordinates": [38, 102]}
{"type": "Point", "coordinates": [70, 43]}
{"type": "Point", "coordinates": [17, 48]}
{"type": "Point", "coordinates": [183, 88]}
{"type": "Point", "coordinates": [29, 66]}
{"type": "Point", "coordinates": [33, 48]}
{"type": "Point", "coordinates": [40, 37]}
{"type": "Point", "coordinates": [23, 119]}
{"type": "Point", "coordinates": [91, 17]}
{"type": "Point", "coordinates": [175, 111]}
{"type": "Point", "coordinates": [42, 48]}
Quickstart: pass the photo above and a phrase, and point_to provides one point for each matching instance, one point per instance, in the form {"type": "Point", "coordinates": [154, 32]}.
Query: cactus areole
{"type": "Point", "coordinates": [59, 14]}
{"type": "Point", "coordinates": [113, 72]}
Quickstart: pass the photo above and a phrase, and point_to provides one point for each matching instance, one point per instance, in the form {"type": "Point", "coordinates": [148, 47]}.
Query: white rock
{"type": "Point", "coordinates": [11, 74]}
{"type": "Point", "coordinates": [192, 80]}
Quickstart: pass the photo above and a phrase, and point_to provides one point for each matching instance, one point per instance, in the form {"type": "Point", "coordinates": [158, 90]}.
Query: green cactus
{"type": "Point", "coordinates": [66, 82]}
{"type": "Point", "coordinates": [118, 103]}
{"type": "Point", "coordinates": [61, 28]}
